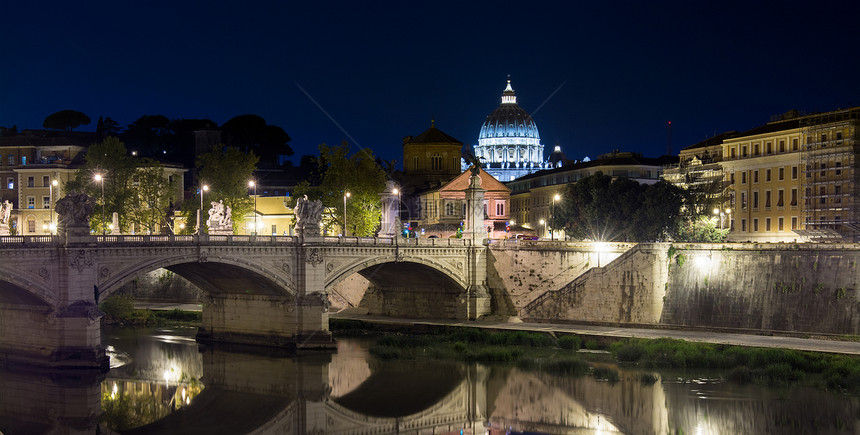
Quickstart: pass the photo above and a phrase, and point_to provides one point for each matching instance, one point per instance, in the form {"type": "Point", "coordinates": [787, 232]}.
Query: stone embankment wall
{"type": "Point", "coordinates": [784, 287]}
{"type": "Point", "coordinates": [519, 272]}
{"type": "Point", "coordinates": [627, 289]}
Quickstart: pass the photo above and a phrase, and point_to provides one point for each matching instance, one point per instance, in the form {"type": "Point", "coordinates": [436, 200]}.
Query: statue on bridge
{"type": "Point", "coordinates": [74, 212]}
{"type": "Point", "coordinates": [308, 216]}
{"type": "Point", "coordinates": [5, 214]}
{"type": "Point", "coordinates": [220, 220]}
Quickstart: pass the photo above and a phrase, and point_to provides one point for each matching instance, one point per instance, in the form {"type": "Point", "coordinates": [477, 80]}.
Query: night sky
{"type": "Point", "coordinates": [596, 76]}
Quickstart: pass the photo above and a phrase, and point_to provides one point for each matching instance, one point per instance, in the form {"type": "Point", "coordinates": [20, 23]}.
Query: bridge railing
{"type": "Point", "coordinates": [396, 241]}
{"type": "Point", "coordinates": [27, 240]}
{"type": "Point", "coordinates": [195, 239]}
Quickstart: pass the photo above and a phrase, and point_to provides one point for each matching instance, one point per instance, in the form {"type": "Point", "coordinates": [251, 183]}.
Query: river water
{"type": "Point", "coordinates": [163, 381]}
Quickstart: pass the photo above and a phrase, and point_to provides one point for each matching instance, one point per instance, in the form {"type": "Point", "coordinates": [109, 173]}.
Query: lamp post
{"type": "Point", "coordinates": [203, 189]}
{"type": "Point", "coordinates": [253, 185]}
{"type": "Point", "coordinates": [543, 222]}
{"type": "Point", "coordinates": [99, 179]}
{"type": "Point", "coordinates": [552, 215]}
{"type": "Point", "coordinates": [345, 196]}
{"type": "Point", "coordinates": [51, 225]}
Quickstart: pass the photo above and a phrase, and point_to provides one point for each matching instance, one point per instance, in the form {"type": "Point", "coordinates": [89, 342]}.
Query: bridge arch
{"type": "Point", "coordinates": [25, 289]}
{"type": "Point", "coordinates": [225, 275]}
{"type": "Point", "coordinates": [443, 269]}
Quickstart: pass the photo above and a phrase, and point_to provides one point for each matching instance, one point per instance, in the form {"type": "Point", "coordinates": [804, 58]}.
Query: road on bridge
{"type": "Point", "coordinates": [738, 339]}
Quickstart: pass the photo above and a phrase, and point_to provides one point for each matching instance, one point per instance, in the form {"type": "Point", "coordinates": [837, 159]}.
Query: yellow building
{"type": "Point", "coordinates": [33, 168]}
{"type": "Point", "coordinates": [273, 216]}
{"type": "Point", "coordinates": [534, 196]}
{"type": "Point", "coordinates": [430, 159]}
{"type": "Point", "coordinates": [793, 179]}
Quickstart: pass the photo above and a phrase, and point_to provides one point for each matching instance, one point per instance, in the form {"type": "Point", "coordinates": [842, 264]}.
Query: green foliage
{"type": "Point", "coordinates": [701, 230]}
{"type": "Point", "coordinates": [226, 172]}
{"type": "Point", "coordinates": [154, 196]}
{"type": "Point", "coordinates": [109, 159]}
{"type": "Point", "coordinates": [840, 293]}
{"type": "Point", "coordinates": [118, 307]}
{"type": "Point", "coordinates": [570, 342]}
{"type": "Point", "coordinates": [66, 120]}
{"type": "Point", "coordinates": [605, 209]}
{"type": "Point", "coordinates": [358, 174]}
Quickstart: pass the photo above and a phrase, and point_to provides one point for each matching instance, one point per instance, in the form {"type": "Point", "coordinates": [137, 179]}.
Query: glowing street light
{"type": "Point", "coordinates": [345, 196]}
{"type": "Point", "coordinates": [721, 214]}
{"type": "Point", "coordinates": [254, 186]}
{"type": "Point", "coordinates": [543, 222]}
{"type": "Point", "coordinates": [100, 179]}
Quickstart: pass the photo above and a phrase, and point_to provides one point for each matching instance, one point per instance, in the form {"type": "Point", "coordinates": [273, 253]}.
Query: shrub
{"type": "Point", "coordinates": [629, 352]}
{"type": "Point", "coordinates": [118, 307]}
{"type": "Point", "coordinates": [571, 342]}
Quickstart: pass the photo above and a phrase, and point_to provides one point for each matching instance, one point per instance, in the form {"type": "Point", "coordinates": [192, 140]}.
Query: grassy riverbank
{"type": "Point", "coordinates": [561, 355]}
{"type": "Point", "coordinates": [119, 310]}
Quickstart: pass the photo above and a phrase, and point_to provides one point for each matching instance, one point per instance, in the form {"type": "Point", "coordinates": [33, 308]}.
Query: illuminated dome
{"type": "Point", "coordinates": [509, 124]}
{"type": "Point", "coordinates": [509, 141]}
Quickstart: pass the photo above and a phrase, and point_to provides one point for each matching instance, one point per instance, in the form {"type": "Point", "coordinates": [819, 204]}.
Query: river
{"type": "Point", "coordinates": [162, 381]}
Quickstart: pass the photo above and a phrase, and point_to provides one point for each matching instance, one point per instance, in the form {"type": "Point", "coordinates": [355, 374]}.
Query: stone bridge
{"type": "Point", "coordinates": [267, 290]}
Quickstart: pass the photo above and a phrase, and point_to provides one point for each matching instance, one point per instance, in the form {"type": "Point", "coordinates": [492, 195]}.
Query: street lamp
{"type": "Point", "coordinates": [51, 225]}
{"type": "Point", "coordinates": [254, 185]}
{"type": "Point", "coordinates": [203, 189]}
{"type": "Point", "coordinates": [552, 214]}
{"type": "Point", "coordinates": [99, 179]}
{"type": "Point", "coordinates": [543, 222]}
{"type": "Point", "coordinates": [345, 196]}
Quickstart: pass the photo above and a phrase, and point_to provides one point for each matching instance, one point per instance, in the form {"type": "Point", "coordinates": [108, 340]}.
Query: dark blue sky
{"type": "Point", "coordinates": [605, 75]}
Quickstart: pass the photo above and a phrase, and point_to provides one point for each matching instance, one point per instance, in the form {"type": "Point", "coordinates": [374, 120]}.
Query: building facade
{"type": "Point", "coordinates": [794, 179]}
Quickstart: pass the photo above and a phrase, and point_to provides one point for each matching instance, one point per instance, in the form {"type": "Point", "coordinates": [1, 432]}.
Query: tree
{"type": "Point", "coordinates": [250, 133]}
{"type": "Point", "coordinates": [357, 174]}
{"type": "Point", "coordinates": [149, 135]}
{"type": "Point", "coordinates": [65, 120]}
{"type": "Point", "coordinates": [602, 209]}
{"type": "Point", "coordinates": [108, 158]}
{"type": "Point", "coordinates": [153, 197]}
{"type": "Point", "coordinates": [227, 174]}
{"type": "Point", "coordinates": [106, 127]}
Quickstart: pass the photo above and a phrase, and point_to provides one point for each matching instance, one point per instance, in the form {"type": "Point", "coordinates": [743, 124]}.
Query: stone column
{"type": "Point", "coordinates": [390, 225]}
{"type": "Point", "coordinates": [475, 230]}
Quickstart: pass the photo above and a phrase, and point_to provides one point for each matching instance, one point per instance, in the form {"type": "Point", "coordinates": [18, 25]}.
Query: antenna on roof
{"type": "Point", "coordinates": [669, 138]}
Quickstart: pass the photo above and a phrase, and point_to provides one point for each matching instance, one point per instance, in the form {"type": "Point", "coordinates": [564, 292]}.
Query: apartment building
{"type": "Point", "coordinates": [794, 179]}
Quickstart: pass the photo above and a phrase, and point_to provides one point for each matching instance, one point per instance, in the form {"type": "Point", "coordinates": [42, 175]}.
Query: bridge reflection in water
{"type": "Point", "coordinates": [172, 385]}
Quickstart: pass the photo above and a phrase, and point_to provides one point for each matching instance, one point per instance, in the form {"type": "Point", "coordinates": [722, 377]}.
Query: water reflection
{"type": "Point", "coordinates": [164, 382]}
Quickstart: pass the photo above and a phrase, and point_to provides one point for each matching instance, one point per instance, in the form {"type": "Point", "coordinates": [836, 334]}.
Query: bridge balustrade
{"type": "Point", "coordinates": [26, 239]}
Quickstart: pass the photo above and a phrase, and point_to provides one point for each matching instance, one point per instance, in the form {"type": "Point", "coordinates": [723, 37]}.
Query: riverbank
{"type": "Point", "coordinates": [562, 354]}
{"type": "Point", "coordinates": [827, 344]}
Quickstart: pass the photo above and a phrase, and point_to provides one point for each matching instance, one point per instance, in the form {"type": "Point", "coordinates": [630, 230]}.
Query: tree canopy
{"type": "Point", "coordinates": [602, 209]}
{"type": "Point", "coordinates": [66, 120]}
{"type": "Point", "coordinates": [357, 174]}
{"type": "Point", "coordinates": [226, 172]}
{"type": "Point", "coordinates": [135, 189]}
{"type": "Point", "coordinates": [250, 133]}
